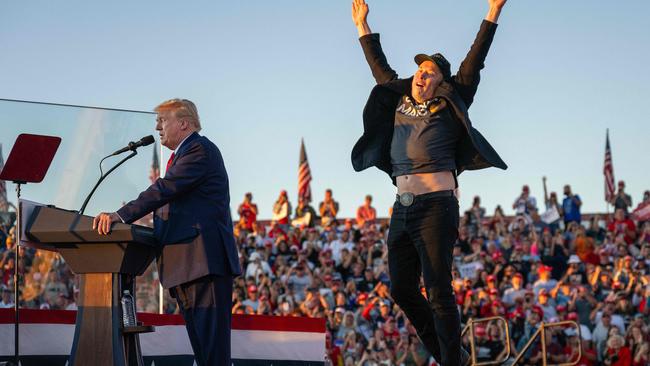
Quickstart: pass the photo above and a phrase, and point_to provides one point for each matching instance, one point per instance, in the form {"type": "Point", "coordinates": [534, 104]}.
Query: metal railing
{"type": "Point", "coordinates": [541, 332]}
{"type": "Point", "coordinates": [470, 326]}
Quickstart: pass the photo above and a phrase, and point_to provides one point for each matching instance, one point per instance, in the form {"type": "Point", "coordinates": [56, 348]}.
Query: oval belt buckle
{"type": "Point", "coordinates": [406, 198]}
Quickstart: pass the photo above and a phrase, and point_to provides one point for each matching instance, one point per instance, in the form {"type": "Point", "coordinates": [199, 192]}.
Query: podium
{"type": "Point", "coordinates": [107, 265]}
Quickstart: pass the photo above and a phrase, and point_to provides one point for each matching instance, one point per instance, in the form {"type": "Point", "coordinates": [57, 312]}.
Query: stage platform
{"type": "Point", "coordinates": [46, 338]}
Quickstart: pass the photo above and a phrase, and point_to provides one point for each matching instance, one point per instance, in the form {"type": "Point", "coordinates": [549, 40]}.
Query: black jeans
{"type": "Point", "coordinates": [420, 241]}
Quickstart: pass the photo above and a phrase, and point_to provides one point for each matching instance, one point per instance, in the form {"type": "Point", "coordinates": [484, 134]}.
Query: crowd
{"type": "Point", "coordinates": [545, 264]}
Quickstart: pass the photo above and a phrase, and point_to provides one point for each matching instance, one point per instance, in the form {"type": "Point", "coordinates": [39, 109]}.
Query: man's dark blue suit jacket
{"type": "Point", "coordinates": [192, 221]}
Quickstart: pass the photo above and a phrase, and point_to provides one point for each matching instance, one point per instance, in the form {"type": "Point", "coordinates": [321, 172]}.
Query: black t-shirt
{"type": "Point", "coordinates": [424, 137]}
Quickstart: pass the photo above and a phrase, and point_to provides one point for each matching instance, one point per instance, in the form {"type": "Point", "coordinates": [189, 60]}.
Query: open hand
{"type": "Point", "coordinates": [359, 12]}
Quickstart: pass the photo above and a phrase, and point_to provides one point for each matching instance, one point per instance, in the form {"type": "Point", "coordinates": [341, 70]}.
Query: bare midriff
{"type": "Point", "coordinates": [421, 183]}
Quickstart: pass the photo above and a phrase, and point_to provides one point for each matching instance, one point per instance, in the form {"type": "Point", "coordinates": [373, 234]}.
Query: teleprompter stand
{"type": "Point", "coordinates": [28, 162]}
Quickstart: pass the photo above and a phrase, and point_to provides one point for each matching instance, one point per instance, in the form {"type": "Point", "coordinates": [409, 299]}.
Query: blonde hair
{"type": "Point", "coordinates": [615, 338]}
{"type": "Point", "coordinates": [182, 108]}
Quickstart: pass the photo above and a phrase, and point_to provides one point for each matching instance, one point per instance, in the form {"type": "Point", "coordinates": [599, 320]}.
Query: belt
{"type": "Point", "coordinates": [407, 198]}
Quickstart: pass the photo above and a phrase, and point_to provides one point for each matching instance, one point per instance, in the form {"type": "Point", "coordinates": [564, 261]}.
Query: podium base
{"type": "Point", "coordinates": [100, 339]}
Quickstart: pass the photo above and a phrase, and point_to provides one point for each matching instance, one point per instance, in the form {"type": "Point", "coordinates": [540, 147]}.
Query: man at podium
{"type": "Point", "coordinates": [198, 257]}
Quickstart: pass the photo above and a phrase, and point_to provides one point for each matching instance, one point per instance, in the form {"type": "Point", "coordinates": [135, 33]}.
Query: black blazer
{"type": "Point", "coordinates": [192, 221]}
{"type": "Point", "coordinates": [373, 148]}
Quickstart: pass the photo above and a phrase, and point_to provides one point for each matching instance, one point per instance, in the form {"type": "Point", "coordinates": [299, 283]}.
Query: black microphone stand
{"type": "Point", "coordinates": [101, 179]}
{"type": "Point", "coordinates": [19, 227]}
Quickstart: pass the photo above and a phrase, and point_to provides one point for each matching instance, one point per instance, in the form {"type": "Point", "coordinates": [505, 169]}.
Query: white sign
{"type": "Point", "coordinates": [470, 270]}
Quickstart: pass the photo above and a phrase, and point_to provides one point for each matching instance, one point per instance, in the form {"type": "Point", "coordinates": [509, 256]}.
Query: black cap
{"type": "Point", "coordinates": [439, 60]}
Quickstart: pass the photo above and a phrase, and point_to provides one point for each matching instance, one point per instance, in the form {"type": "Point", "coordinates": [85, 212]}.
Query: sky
{"type": "Point", "coordinates": [265, 74]}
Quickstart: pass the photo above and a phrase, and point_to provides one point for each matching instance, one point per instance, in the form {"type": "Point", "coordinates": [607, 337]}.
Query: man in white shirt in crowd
{"type": "Point", "coordinates": [511, 294]}
{"type": "Point", "coordinates": [257, 265]}
{"type": "Point", "coordinates": [525, 203]}
{"type": "Point", "coordinates": [338, 245]}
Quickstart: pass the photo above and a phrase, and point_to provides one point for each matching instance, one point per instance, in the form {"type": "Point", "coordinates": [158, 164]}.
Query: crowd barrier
{"type": "Point", "coordinates": [470, 327]}
{"type": "Point", "coordinates": [46, 339]}
{"type": "Point", "coordinates": [507, 360]}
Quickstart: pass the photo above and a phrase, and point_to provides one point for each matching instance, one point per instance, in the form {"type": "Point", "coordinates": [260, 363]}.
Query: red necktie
{"type": "Point", "coordinates": [169, 162]}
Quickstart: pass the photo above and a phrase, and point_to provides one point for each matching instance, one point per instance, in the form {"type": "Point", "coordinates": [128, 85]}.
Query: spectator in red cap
{"type": "Point", "coordinates": [251, 298]}
{"type": "Point", "coordinates": [514, 291]}
{"type": "Point", "coordinates": [491, 281]}
{"type": "Point", "coordinates": [361, 299]}
{"type": "Point", "coordinates": [483, 343]}
{"type": "Point", "coordinates": [487, 309]}
{"type": "Point", "coordinates": [530, 327]}
{"type": "Point", "coordinates": [545, 281]}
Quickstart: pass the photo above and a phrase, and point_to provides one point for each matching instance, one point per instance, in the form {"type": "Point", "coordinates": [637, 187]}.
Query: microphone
{"type": "Point", "coordinates": [147, 140]}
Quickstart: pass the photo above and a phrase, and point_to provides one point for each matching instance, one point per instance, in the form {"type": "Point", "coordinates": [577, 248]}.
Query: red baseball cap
{"type": "Point", "coordinates": [493, 291]}
{"type": "Point", "coordinates": [517, 313]}
{"type": "Point", "coordinates": [572, 316]}
{"type": "Point", "coordinates": [491, 278]}
{"type": "Point", "coordinates": [252, 288]}
{"type": "Point", "coordinates": [362, 297]}
{"type": "Point", "coordinates": [544, 268]}
{"type": "Point", "coordinates": [537, 310]}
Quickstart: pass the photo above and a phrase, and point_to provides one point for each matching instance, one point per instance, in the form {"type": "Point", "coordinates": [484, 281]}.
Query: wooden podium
{"type": "Point", "coordinates": [107, 265]}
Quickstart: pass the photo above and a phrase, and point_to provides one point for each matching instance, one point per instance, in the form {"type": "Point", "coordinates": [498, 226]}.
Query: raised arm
{"type": "Point", "coordinates": [360, 17]}
{"type": "Point", "coordinates": [468, 77]}
{"type": "Point", "coordinates": [381, 70]}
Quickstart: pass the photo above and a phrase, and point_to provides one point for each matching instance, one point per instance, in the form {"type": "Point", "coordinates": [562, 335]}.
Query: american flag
{"type": "Point", "coordinates": [154, 172]}
{"type": "Point", "coordinates": [304, 175]}
{"type": "Point", "coordinates": [4, 204]}
{"type": "Point", "coordinates": [608, 171]}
